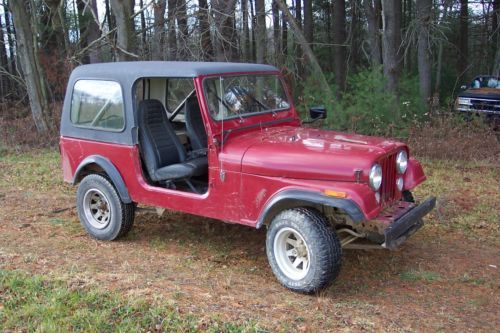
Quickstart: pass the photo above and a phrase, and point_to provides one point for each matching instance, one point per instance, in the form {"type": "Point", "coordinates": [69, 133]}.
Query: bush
{"type": "Point", "coordinates": [367, 107]}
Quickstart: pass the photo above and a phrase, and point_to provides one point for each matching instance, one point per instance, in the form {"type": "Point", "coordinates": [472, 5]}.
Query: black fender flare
{"type": "Point", "coordinates": [110, 171]}
{"type": "Point", "coordinates": [302, 198]}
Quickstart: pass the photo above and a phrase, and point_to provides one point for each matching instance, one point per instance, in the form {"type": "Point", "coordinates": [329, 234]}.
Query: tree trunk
{"type": "Point", "coordinates": [89, 29]}
{"type": "Point", "coordinates": [355, 35]}
{"type": "Point", "coordinates": [4, 63]}
{"type": "Point", "coordinates": [260, 31]}
{"type": "Point", "coordinates": [423, 48]}
{"type": "Point", "coordinates": [496, 36]}
{"type": "Point", "coordinates": [245, 37]}
{"type": "Point", "coordinates": [183, 45]}
{"type": "Point", "coordinates": [372, 11]}
{"type": "Point", "coordinates": [339, 39]}
{"type": "Point", "coordinates": [276, 33]}
{"type": "Point", "coordinates": [439, 60]}
{"type": "Point", "coordinates": [298, 12]}
{"type": "Point", "coordinates": [224, 18]}
{"type": "Point", "coordinates": [32, 71]}
{"type": "Point", "coordinates": [93, 33]}
{"type": "Point", "coordinates": [172, 33]}
{"type": "Point", "coordinates": [299, 55]}
{"type": "Point", "coordinates": [297, 31]}
{"type": "Point", "coordinates": [284, 38]}
{"type": "Point", "coordinates": [9, 29]}
{"type": "Point", "coordinates": [329, 39]}
{"type": "Point", "coordinates": [110, 18]}
{"type": "Point", "coordinates": [389, 46]}
{"type": "Point", "coordinates": [144, 43]}
{"type": "Point", "coordinates": [159, 29]}
{"type": "Point", "coordinates": [204, 24]}
{"type": "Point", "coordinates": [463, 43]}
{"type": "Point", "coordinates": [308, 22]}
{"type": "Point", "coordinates": [398, 14]}
{"type": "Point", "coordinates": [125, 37]}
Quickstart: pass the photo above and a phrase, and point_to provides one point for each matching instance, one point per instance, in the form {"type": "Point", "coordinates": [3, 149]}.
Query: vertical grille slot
{"type": "Point", "coordinates": [388, 189]}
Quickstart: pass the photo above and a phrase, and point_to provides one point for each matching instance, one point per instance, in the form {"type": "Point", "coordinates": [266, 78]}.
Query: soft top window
{"type": "Point", "coordinates": [97, 104]}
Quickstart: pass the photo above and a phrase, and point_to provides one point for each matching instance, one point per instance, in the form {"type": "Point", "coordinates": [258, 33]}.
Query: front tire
{"type": "Point", "coordinates": [303, 251]}
{"type": "Point", "coordinates": [101, 211]}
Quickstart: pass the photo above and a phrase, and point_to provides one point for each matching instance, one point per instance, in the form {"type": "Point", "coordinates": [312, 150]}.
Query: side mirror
{"type": "Point", "coordinates": [463, 87]}
{"type": "Point", "coordinates": [317, 112]}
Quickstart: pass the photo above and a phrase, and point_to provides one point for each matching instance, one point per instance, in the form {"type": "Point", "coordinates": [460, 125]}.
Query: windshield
{"type": "Point", "coordinates": [486, 82]}
{"type": "Point", "coordinates": [237, 96]}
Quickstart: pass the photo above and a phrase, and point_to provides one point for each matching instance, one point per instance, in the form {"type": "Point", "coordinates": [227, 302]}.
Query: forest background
{"type": "Point", "coordinates": [379, 66]}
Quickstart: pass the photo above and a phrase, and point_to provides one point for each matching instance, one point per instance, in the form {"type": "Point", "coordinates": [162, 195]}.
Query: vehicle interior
{"type": "Point", "coordinates": [172, 136]}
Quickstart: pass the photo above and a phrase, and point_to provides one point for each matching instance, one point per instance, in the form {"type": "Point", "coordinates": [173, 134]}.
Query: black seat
{"type": "Point", "coordinates": [194, 124]}
{"type": "Point", "coordinates": [163, 154]}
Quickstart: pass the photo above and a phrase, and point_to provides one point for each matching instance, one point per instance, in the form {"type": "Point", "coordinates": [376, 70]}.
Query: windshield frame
{"type": "Point", "coordinates": [249, 114]}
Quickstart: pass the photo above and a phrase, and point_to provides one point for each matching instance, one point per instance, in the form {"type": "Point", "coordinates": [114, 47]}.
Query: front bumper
{"type": "Point", "coordinates": [405, 225]}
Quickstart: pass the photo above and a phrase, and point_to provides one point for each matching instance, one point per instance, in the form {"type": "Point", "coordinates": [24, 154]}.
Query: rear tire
{"type": "Point", "coordinates": [101, 211]}
{"type": "Point", "coordinates": [303, 251]}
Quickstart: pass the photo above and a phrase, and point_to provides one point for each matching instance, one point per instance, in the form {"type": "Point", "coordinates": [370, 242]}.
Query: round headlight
{"type": "Point", "coordinates": [375, 177]}
{"type": "Point", "coordinates": [402, 161]}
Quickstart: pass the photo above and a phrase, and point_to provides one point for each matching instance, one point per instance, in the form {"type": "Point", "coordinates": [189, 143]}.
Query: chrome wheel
{"type": "Point", "coordinates": [96, 209]}
{"type": "Point", "coordinates": [292, 253]}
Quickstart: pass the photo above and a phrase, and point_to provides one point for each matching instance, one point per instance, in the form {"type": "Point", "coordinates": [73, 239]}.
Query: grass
{"type": "Point", "coordinates": [414, 275]}
{"type": "Point", "coordinates": [33, 303]}
{"type": "Point", "coordinates": [225, 257]}
{"type": "Point", "coordinates": [468, 196]}
{"type": "Point", "coordinates": [37, 170]}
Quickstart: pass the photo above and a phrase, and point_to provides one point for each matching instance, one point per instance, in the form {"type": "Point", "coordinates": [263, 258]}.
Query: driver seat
{"type": "Point", "coordinates": [163, 154]}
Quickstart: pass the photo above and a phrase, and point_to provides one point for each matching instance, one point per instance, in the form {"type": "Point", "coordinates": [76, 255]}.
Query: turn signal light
{"type": "Point", "coordinates": [335, 194]}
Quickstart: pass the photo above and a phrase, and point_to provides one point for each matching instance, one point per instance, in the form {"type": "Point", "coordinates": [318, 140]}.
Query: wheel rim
{"type": "Point", "coordinates": [96, 208]}
{"type": "Point", "coordinates": [292, 253]}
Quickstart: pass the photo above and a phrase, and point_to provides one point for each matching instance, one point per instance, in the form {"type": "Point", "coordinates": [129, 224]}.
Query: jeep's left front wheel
{"type": "Point", "coordinates": [303, 250]}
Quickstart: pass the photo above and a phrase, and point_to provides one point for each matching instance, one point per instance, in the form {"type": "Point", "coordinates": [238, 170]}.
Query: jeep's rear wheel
{"type": "Point", "coordinates": [101, 211]}
{"type": "Point", "coordinates": [303, 251]}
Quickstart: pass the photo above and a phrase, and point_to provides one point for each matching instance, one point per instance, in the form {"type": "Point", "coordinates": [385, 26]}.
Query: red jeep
{"type": "Point", "coordinates": [223, 140]}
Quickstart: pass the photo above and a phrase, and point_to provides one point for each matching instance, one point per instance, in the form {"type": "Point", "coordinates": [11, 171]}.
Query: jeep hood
{"type": "Point", "coordinates": [307, 153]}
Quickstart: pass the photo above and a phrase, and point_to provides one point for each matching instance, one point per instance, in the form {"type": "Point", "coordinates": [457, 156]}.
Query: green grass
{"type": "Point", "coordinates": [33, 303]}
{"type": "Point", "coordinates": [38, 171]}
{"type": "Point", "coordinates": [414, 275]}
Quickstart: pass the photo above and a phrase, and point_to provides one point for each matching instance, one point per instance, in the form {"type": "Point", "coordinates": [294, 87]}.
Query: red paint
{"type": "Point", "coordinates": [414, 175]}
{"type": "Point", "coordinates": [258, 163]}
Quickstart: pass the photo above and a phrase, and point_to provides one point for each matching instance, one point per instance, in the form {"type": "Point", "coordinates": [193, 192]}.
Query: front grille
{"type": "Point", "coordinates": [388, 189]}
{"type": "Point", "coordinates": [485, 105]}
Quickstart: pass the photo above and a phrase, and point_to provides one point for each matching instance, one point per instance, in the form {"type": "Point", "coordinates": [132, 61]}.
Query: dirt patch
{"type": "Point", "coordinates": [445, 278]}
{"type": "Point", "coordinates": [437, 281]}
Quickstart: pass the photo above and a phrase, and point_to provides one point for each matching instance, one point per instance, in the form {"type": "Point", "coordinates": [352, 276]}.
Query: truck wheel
{"type": "Point", "coordinates": [303, 251]}
{"type": "Point", "coordinates": [100, 209]}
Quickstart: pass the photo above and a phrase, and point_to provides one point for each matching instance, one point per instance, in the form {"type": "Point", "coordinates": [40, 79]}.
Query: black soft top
{"type": "Point", "coordinates": [134, 70]}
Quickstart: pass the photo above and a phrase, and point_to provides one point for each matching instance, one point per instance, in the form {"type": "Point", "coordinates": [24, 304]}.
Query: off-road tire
{"type": "Point", "coordinates": [324, 249]}
{"type": "Point", "coordinates": [121, 215]}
